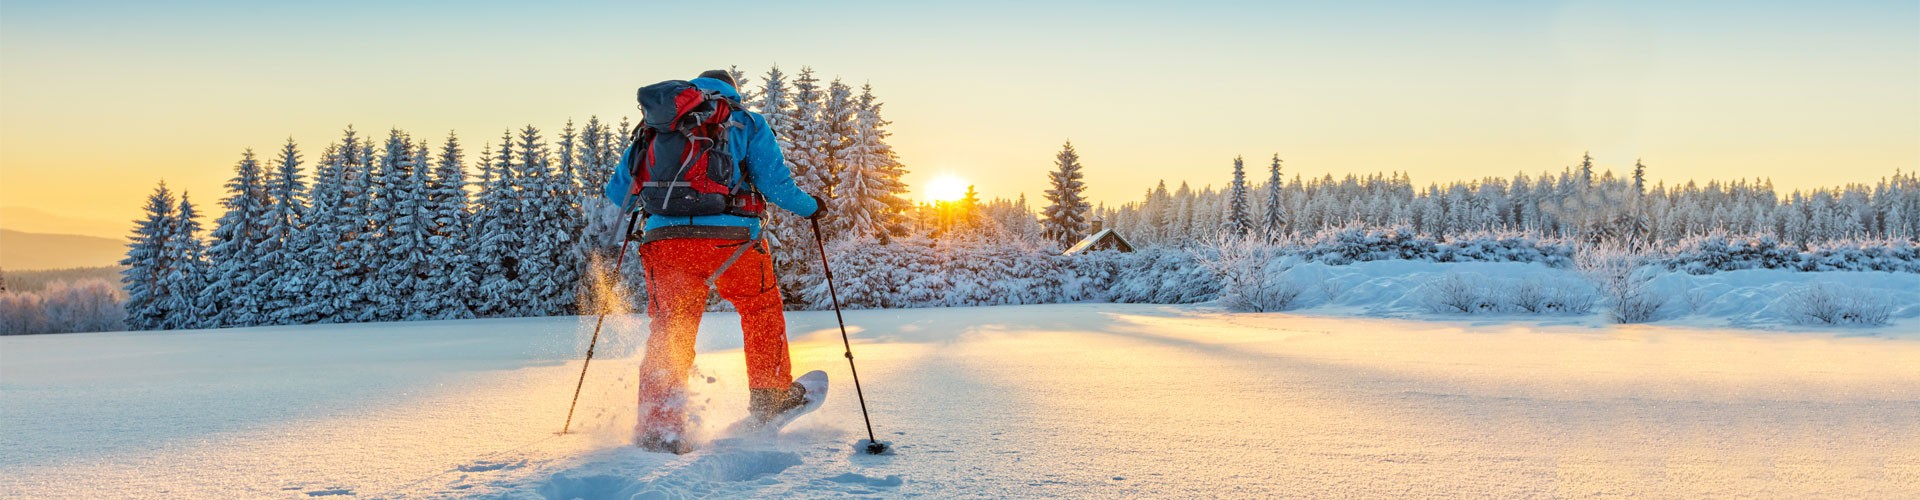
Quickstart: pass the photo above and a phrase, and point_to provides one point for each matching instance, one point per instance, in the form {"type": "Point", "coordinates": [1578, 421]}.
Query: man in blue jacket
{"type": "Point", "coordinates": [684, 255]}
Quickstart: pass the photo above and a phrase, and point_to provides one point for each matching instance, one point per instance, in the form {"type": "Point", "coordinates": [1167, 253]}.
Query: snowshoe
{"type": "Point", "coordinates": [663, 443]}
{"type": "Point", "coordinates": [772, 409]}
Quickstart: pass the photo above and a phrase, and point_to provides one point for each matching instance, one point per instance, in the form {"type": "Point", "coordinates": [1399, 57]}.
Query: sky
{"type": "Point", "coordinates": [101, 100]}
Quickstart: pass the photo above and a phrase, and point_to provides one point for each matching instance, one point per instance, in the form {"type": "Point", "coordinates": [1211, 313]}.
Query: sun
{"type": "Point", "coordinates": [946, 187]}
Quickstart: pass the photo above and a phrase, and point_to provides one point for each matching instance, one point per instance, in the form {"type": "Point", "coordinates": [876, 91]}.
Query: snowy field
{"type": "Point", "coordinates": [1099, 400]}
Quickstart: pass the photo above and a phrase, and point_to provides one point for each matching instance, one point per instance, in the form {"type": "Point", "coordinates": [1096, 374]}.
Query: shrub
{"type": "Point", "coordinates": [1828, 304]}
{"type": "Point", "coordinates": [1624, 277]}
{"type": "Point", "coordinates": [1455, 294]}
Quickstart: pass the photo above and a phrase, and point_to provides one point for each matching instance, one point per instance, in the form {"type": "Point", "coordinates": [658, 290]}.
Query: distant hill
{"type": "Point", "coordinates": [33, 220]}
{"type": "Point", "coordinates": [22, 251]}
{"type": "Point", "coordinates": [30, 281]}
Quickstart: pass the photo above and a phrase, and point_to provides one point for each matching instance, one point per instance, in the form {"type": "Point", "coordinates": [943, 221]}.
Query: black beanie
{"type": "Point", "coordinates": [721, 75]}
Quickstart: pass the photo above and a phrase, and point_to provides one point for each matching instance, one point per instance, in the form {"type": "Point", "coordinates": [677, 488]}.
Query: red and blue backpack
{"type": "Point", "coordinates": [682, 165]}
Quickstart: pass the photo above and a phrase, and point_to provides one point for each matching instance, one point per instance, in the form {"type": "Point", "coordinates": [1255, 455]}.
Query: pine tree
{"type": "Point", "coordinates": [1239, 218]}
{"type": "Point", "coordinates": [146, 263]}
{"type": "Point", "coordinates": [360, 253]}
{"type": "Point", "coordinates": [775, 103]}
{"type": "Point", "coordinates": [570, 202]}
{"type": "Point", "coordinates": [451, 276]}
{"type": "Point", "coordinates": [807, 154]}
{"type": "Point", "coordinates": [838, 123]}
{"type": "Point", "coordinates": [1586, 170]}
{"type": "Point", "coordinates": [869, 201]}
{"type": "Point", "coordinates": [1639, 178]}
{"type": "Point", "coordinates": [187, 254]}
{"type": "Point", "coordinates": [279, 280]}
{"type": "Point", "coordinates": [498, 236]}
{"type": "Point", "coordinates": [1276, 225]}
{"type": "Point", "coordinates": [969, 210]}
{"type": "Point", "coordinates": [546, 207]}
{"type": "Point", "coordinates": [235, 253]}
{"type": "Point", "coordinates": [1065, 218]}
{"type": "Point", "coordinates": [318, 243]}
{"type": "Point", "coordinates": [740, 84]}
{"type": "Point", "coordinates": [400, 228]}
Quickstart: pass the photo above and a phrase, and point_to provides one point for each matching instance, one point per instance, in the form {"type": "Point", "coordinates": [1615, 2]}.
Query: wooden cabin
{"type": "Point", "coordinates": [1101, 239]}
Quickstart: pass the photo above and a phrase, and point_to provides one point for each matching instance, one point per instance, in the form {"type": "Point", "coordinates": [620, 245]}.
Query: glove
{"type": "Point", "coordinates": [821, 208]}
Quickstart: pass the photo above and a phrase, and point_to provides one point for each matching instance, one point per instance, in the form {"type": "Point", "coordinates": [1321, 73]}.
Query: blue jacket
{"type": "Point", "coordinates": [760, 154]}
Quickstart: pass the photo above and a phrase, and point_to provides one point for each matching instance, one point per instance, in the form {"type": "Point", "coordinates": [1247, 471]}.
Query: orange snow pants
{"type": "Point", "coordinates": [677, 271]}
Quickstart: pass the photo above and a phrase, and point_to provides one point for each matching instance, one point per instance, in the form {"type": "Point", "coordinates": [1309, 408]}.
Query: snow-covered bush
{"type": "Point", "coordinates": [91, 305]}
{"type": "Point", "coordinates": [1528, 295]}
{"type": "Point", "coordinates": [1159, 275]}
{"type": "Point", "coordinates": [1829, 304]}
{"type": "Point", "coordinates": [1623, 276]}
{"type": "Point", "coordinates": [1454, 293]}
{"type": "Point", "coordinates": [1252, 274]}
{"type": "Point", "coordinates": [1568, 297]}
{"type": "Point", "coordinates": [1359, 244]}
{"type": "Point", "coordinates": [1719, 252]}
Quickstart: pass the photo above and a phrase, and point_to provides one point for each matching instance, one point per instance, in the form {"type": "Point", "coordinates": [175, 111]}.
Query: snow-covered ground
{"type": "Point", "coordinates": [1747, 299]}
{"type": "Point", "coordinates": [1101, 400]}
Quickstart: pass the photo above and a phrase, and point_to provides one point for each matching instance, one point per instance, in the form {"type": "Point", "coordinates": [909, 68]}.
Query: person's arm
{"type": "Point", "coordinates": [768, 166]}
{"type": "Point", "coordinates": [619, 188]}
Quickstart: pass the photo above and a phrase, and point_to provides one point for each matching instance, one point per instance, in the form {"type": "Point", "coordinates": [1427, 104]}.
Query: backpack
{"type": "Point", "coordinates": [682, 165]}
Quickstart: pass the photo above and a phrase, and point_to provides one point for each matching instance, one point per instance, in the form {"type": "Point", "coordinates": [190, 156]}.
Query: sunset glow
{"type": "Point", "coordinates": [946, 187]}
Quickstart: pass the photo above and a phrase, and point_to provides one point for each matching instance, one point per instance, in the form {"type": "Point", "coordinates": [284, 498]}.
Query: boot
{"type": "Point", "coordinates": [765, 405]}
{"type": "Point", "coordinates": [662, 429]}
{"type": "Point", "coordinates": [662, 442]}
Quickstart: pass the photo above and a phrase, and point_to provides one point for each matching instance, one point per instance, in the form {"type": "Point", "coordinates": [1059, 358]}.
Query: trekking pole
{"type": "Point", "coordinates": [874, 446]}
{"type": "Point", "coordinates": [626, 237]}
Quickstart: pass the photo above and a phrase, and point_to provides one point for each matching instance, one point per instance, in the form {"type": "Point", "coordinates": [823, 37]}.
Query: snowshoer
{"type": "Point", "coordinates": [702, 170]}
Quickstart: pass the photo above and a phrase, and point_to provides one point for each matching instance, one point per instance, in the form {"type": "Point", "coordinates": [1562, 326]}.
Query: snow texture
{"type": "Point", "coordinates": [1102, 400]}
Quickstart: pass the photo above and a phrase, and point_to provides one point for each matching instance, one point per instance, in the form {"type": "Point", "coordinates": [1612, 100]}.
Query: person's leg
{"type": "Point", "coordinates": [752, 288]}
{"type": "Point", "coordinates": [676, 296]}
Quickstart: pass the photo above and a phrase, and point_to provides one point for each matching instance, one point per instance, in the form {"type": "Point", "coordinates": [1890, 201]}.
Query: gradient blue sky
{"type": "Point", "coordinates": [100, 99]}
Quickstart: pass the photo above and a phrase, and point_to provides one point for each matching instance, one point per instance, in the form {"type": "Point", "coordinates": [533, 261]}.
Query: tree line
{"type": "Point", "coordinates": [400, 229]}
{"type": "Point", "coordinates": [1580, 203]}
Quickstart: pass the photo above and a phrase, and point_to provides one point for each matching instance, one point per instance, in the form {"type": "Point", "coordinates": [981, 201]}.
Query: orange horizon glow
{"type": "Point", "coordinates": [99, 104]}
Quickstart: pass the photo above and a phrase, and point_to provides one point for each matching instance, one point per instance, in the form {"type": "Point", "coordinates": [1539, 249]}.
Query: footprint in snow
{"type": "Point", "coordinates": [859, 479]}
{"type": "Point", "coordinates": [489, 466]}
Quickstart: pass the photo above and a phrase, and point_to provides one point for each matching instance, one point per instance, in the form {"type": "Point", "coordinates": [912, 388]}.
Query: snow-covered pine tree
{"type": "Point", "coordinates": [147, 267]}
{"type": "Point", "coordinates": [807, 153]}
{"type": "Point", "coordinates": [498, 237]}
{"type": "Point", "coordinates": [1065, 218]}
{"type": "Point", "coordinates": [740, 84]}
{"type": "Point", "coordinates": [969, 211]}
{"type": "Point", "coordinates": [319, 249]}
{"type": "Point", "coordinates": [279, 280]}
{"type": "Point", "coordinates": [546, 208]}
{"type": "Point", "coordinates": [1639, 178]}
{"type": "Point", "coordinates": [573, 201]}
{"type": "Point", "coordinates": [776, 104]}
{"type": "Point", "coordinates": [360, 253]}
{"type": "Point", "coordinates": [187, 255]}
{"type": "Point", "coordinates": [599, 156]}
{"type": "Point", "coordinates": [235, 253]}
{"type": "Point", "coordinates": [803, 139]}
{"type": "Point", "coordinates": [892, 172]}
{"type": "Point", "coordinates": [1276, 220]}
{"type": "Point", "coordinates": [869, 202]}
{"type": "Point", "coordinates": [451, 276]}
{"type": "Point", "coordinates": [837, 115]}
{"type": "Point", "coordinates": [401, 227]}
{"type": "Point", "coordinates": [1179, 217]}
{"type": "Point", "coordinates": [1586, 169]}
{"type": "Point", "coordinates": [1239, 217]}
